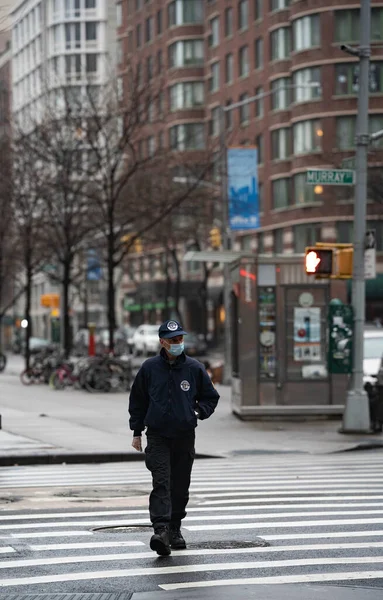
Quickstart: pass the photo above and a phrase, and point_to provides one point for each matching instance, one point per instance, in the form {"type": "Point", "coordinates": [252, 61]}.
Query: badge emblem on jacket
{"type": "Point", "coordinates": [185, 386]}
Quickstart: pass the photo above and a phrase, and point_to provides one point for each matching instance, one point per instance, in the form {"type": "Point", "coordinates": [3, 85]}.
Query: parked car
{"type": "Point", "coordinates": [145, 340]}
{"type": "Point", "coordinates": [373, 353]}
{"type": "Point", "coordinates": [195, 345]}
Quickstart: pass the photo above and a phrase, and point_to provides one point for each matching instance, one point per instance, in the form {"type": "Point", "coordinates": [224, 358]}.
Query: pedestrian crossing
{"type": "Point", "coordinates": [251, 520]}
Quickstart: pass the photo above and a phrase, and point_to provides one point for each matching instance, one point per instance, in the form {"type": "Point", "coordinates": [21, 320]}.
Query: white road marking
{"type": "Point", "coordinates": [271, 493]}
{"type": "Point", "coordinates": [13, 564]}
{"type": "Point", "coordinates": [80, 546]}
{"type": "Point", "coordinates": [6, 550]}
{"type": "Point", "coordinates": [48, 534]}
{"type": "Point", "coordinates": [190, 509]}
{"type": "Point", "coordinates": [211, 504]}
{"type": "Point", "coordinates": [332, 534]}
{"type": "Point", "coordinates": [232, 566]}
{"type": "Point", "coordinates": [278, 579]}
{"type": "Point", "coordinates": [284, 524]}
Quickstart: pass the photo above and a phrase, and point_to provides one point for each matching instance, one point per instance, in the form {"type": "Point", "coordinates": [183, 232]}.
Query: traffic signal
{"type": "Point", "coordinates": [345, 261]}
{"type": "Point", "coordinates": [215, 238]}
{"type": "Point", "coordinates": [319, 261]}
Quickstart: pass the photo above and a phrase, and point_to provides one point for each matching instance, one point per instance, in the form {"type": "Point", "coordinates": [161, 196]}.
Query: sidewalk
{"type": "Point", "coordinates": [40, 425]}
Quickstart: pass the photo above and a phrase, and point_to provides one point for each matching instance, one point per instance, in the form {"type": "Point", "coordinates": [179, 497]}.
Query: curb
{"type": "Point", "coordinates": [77, 458]}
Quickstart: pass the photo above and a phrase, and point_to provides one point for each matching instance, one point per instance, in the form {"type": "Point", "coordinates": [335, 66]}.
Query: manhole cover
{"type": "Point", "coordinates": [227, 544]}
{"type": "Point", "coordinates": [122, 529]}
{"type": "Point", "coordinates": [97, 596]}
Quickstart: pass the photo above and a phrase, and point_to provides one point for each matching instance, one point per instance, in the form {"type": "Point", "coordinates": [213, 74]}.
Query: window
{"type": "Point", "coordinates": [214, 35]}
{"type": "Point", "coordinates": [119, 14]}
{"type": "Point", "coordinates": [159, 61]}
{"type": "Point", "coordinates": [159, 22]}
{"type": "Point", "coordinates": [244, 110]}
{"type": "Point", "coordinates": [307, 84]}
{"type": "Point", "coordinates": [260, 197]}
{"type": "Point", "coordinates": [280, 93]}
{"type": "Point", "coordinates": [278, 241]}
{"type": "Point", "coordinates": [189, 136]}
{"type": "Point", "coordinates": [229, 68]}
{"type": "Point", "coordinates": [345, 232]}
{"type": "Point", "coordinates": [214, 123]}
{"type": "Point", "coordinates": [228, 22]}
{"type": "Point", "coordinates": [258, 9]}
{"type": "Point", "coordinates": [280, 43]}
{"type": "Point", "coordinates": [72, 35]}
{"type": "Point", "coordinates": [120, 88]}
{"type": "Point", "coordinates": [280, 190]}
{"type": "Point", "coordinates": [149, 68]}
{"type": "Point", "coordinates": [258, 46]}
{"type": "Point", "coordinates": [151, 145]}
{"type": "Point", "coordinates": [347, 25]}
{"type": "Point", "coordinates": [306, 235]}
{"type": "Point", "coordinates": [73, 66]}
{"type": "Point", "coordinates": [229, 117]}
{"type": "Point", "coordinates": [186, 95]}
{"type": "Point", "coordinates": [281, 143]}
{"type": "Point", "coordinates": [91, 63]}
{"type": "Point", "coordinates": [130, 41]}
{"type": "Point", "coordinates": [346, 131]}
{"type": "Point", "coordinates": [307, 136]}
{"type": "Point", "coordinates": [91, 32]}
{"type": "Point", "coordinates": [306, 32]}
{"type": "Point", "coordinates": [260, 149]}
{"type": "Point", "coordinates": [259, 104]}
{"type": "Point", "coordinates": [138, 36]}
{"type": "Point", "coordinates": [214, 80]}
{"type": "Point", "coordinates": [185, 53]}
{"type": "Point", "coordinates": [90, 3]}
{"type": "Point", "coordinates": [279, 4]}
{"type": "Point", "coordinates": [347, 78]}
{"type": "Point", "coordinates": [303, 193]}
{"type": "Point", "coordinates": [161, 140]}
{"type": "Point", "coordinates": [185, 11]}
{"type": "Point", "coordinates": [243, 14]}
{"type": "Point", "coordinates": [161, 103]}
{"type": "Point", "coordinates": [244, 61]}
{"type": "Point", "coordinates": [149, 29]}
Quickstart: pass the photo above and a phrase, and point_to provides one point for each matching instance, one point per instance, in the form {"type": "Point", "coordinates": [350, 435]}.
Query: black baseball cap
{"type": "Point", "coordinates": [171, 329]}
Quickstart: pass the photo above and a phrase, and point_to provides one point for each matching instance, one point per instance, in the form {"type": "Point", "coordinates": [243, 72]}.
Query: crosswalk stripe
{"type": "Point", "coordinates": [275, 580]}
{"type": "Point", "coordinates": [194, 509]}
{"type": "Point", "coordinates": [209, 567]}
{"type": "Point", "coordinates": [327, 535]}
{"type": "Point", "coordinates": [135, 522]}
{"type": "Point", "coordinates": [83, 546]}
{"type": "Point", "coordinates": [46, 534]}
{"type": "Point", "coordinates": [273, 525]}
{"type": "Point", "coordinates": [300, 499]}
{"type": "Point", "coordinates": [200, 552]}
{"type": "Point", "coordinates": [6, 550]}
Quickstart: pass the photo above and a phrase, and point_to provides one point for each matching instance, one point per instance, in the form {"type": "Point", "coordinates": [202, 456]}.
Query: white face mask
{"type": "Point", "coordinates": [176, 349]}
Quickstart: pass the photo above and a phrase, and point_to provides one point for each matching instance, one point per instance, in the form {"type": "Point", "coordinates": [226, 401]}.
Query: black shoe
{"type": "Point", "coordinates": [159, 542]}
{"type": "Point", "coordinates": [177, 541]}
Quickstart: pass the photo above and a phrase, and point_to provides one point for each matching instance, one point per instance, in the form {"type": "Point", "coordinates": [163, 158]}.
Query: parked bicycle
{"type": "Point", "coordinates": [94, 374]}
{"type": "Point", "coordinates": [42, 366]}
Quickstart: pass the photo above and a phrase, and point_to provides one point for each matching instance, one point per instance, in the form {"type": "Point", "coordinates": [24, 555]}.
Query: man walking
{"type": "Point", "coordinates": [170, 392]}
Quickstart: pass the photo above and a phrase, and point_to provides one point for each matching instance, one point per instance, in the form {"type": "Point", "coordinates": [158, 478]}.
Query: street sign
{"type": "Point", "coordinates": [370, 254]}
{"type": "Point", "coordinates": [330, 177]}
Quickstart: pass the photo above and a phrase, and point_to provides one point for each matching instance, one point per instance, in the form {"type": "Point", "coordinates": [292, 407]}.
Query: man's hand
{"type": "Point", "coordinates": [137, 444]}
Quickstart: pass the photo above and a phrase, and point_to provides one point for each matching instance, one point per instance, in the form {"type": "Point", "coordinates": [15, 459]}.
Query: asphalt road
{"type": "Point", "coordinates": [282, 519]}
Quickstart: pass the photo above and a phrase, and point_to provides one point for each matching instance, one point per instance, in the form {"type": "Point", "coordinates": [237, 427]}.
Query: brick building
{"type": "Point", "coordinates": [219, 52]}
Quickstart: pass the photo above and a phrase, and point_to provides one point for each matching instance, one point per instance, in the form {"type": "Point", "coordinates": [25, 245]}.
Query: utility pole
{"type": "Point", "coordinates": [356, 418]}
{"type": "Point", "coordinates": [227, 245]}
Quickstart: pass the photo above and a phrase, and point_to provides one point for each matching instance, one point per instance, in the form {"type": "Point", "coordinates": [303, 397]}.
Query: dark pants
{"type": "Point", "coordinates": [170, 462]}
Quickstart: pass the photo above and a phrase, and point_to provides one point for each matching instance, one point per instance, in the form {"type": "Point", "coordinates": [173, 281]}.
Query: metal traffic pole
{"type": "Point", "coordinates": [356, 417]}
{"type": "Point", "coordinates": [227, 245]}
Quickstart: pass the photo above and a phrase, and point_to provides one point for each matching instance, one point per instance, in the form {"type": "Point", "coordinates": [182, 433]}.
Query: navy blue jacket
{"type": "Point", "coordinates": [166, 393]}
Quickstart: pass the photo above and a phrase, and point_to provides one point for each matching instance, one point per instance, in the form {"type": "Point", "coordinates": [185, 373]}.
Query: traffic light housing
{"type": "Point", "coordinates": [215, 238]}
{"type": "Point", "coordinates": [329, 260]}
{"type": "Point", "coordinates": [319, 261]}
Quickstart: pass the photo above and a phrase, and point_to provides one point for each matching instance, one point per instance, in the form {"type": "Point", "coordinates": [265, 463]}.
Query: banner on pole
{"type": "Point", "coordinates": [243, 188]}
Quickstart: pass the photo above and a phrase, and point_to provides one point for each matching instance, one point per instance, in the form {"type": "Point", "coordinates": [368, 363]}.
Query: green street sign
{"type": "Point", "coordinates": [349, 163]}
{"type": "Point", "coordinates": [330, 177]}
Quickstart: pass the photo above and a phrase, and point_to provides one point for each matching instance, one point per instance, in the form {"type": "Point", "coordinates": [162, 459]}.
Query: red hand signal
{"type": "Point", "coordinates": [312, 261]}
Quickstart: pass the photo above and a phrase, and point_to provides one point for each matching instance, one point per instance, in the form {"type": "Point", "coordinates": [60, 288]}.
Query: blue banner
{"type": "Point", "coordinates": [243, 188]}
{"type": "Point", "coordinates": [93, 267]}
